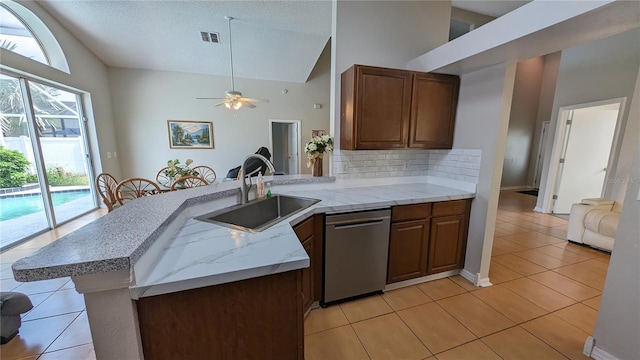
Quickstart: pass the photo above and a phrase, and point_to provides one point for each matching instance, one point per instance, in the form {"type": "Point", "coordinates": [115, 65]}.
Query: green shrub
{"type": "Point", "coordinates": [13, 168]}
{"type": "Point", "coordinates": [58, 177]}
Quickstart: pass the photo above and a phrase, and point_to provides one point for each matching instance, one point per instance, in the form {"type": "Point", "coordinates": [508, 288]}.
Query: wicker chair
{"type": "Point", "coordinates": [188, 181]}
{"type": "Point", "coordinates": [134, 188]}
{"type": "Point", "coordinates": [162, 178]}
{"type": "Point", "coordinates": [106, 185]}
{"type": "Point", "coordinates": [206, 173]}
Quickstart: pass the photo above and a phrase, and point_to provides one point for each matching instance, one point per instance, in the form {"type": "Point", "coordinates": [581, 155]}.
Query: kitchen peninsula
{"type": "Point", "coordinates": [153, 247]}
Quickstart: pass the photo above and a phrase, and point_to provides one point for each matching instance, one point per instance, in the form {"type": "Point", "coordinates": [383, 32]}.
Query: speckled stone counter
{"type": "Point", "coordinates": [188, 253]}
{"type": "Point", "coordinates": [118, 239]}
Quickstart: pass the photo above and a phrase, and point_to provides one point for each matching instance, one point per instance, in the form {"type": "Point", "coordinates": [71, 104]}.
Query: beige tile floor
{"type": "Point", "coordinates": [543, 304]}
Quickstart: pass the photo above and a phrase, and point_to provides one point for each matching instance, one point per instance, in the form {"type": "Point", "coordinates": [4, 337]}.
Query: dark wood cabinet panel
{"type": "Point", "coordinates": [446, 243]}
{"type": "Point", "coordinates": [375, 115]}
{"type": "Point", "coordinates": [408, 250]}
{"type": "Point", "coordinates": [455, 207]}
{"type": "Point", "coordinates": [310, 233]}
{"type": "Point", "coordinates": [259, 318]}
{"type": "Point", "coordinates": [433, 110]}
{"type": "Point", "coordinates": [410, 212]}
{"type": "Point", "coordinates": [308, 276]}
{"type": "Point", "coordinates": [384, 108]}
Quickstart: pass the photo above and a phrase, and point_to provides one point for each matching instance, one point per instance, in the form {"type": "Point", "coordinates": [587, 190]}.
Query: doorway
{"type": "Point", "coordinates": [585, 141]}
{"type": "Point", "coordinates": [284, 140]}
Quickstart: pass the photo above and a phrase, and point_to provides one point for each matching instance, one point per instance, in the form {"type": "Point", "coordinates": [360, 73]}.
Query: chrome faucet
{"type": "Point", "coordinates": [244, 188]}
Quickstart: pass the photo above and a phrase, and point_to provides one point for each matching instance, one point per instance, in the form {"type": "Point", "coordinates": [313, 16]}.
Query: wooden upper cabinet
{"type": "Point", "coordinates": [375, 108]}
{"type": "Point", "coordinates": [433, 110]}
{"type": "Point", "coordinates": [385, 108]}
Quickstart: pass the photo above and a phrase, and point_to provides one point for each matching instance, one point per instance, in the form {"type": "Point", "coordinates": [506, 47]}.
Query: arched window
{"type": "Point", "coordinates": [23, 33]}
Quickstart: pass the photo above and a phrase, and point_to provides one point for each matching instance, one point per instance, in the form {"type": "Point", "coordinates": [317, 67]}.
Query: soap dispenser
{"type": "Point", "coordinates": [260, 187]}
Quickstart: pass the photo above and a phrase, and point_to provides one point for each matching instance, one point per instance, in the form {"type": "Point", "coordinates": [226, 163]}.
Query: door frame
{"type": "Point", "coordinates": [298, 137]}
{"type": "Point", "coordinates": [537, 170]}
{"type": "Point", "coordinates": [559, 142]}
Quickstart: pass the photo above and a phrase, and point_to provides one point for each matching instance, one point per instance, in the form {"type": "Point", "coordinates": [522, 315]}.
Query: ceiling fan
{"type": "Point", "coordinates": [233, 99]}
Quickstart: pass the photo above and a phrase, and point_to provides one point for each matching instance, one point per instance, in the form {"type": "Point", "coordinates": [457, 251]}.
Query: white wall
{"type": "Point", "coordinates": [600, 70]}
{"type": "Point", "coordinates": [383, 33]}
{"type": "Point", "coordinates": [87, 74]}
{"type": "Point", "coordinates": [522, 122]}
{"type": "Point", "coordinates": [482, 122]}
{"type": "Point", "coordinates": [144, 100]}
{"type": "Point", "coordinates": [618, 326]}
{"type": "Point", "coordinates": [545, 106]}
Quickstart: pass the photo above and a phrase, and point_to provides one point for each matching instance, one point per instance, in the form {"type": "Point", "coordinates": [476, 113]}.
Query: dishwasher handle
{"type": "Point", "coordinates": [355, 224]}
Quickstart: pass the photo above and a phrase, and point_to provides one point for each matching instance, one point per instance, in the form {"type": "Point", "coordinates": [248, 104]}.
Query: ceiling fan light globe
{"type": "Point", "coordinates": [237, 105]}
{"type": "Point", "coordinates": [227, 105]}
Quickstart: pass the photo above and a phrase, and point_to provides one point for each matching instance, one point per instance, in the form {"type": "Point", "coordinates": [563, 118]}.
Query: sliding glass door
{"type": "Point", "coordinates": [43, 128]}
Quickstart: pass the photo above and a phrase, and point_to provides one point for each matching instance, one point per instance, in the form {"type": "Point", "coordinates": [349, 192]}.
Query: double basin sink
{"type": "Point", "coordinates": [258, 215]}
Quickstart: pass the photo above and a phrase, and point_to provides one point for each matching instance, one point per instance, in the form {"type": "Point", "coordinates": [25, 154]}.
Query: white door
{"type": "Point", "coordinates": [588, 143]}
{"type": "Point", "coordinates": [293, 148]}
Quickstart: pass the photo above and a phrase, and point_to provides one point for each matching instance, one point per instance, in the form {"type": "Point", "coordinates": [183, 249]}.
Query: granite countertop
{"type": "Point", "coordinates": [117, 240]}
{"type": "Point", "coordinates": [189, 253]}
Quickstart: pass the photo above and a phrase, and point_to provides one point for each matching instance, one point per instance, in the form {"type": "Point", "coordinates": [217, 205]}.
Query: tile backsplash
{"type": "Point", "coordinates": [458, 164]}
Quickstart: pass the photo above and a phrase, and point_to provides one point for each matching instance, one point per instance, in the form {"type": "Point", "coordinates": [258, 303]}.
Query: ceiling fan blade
{"type": "Point", "coordinates": [220, 103]}
{"type": "Point", "coordinates": [208, 98]}
{"type": "Point", "coordinates": [255, 100]}
{"type": "Point", "coordinates": [248, 104]}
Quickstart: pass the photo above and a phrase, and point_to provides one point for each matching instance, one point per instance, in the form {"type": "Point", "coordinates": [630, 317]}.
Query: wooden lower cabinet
{"type": "Point", "coordinates": [259, 318]}
{"type": "Point", "coordinates": [427, 239]}
{"type": "Point", "coordinates": [308, 276]}
{"type": "Point", "coordinates": [310, 233]}
{"type": "Point", "coordinates": [446, 244]}
{"type": "Point", "coordinates": [408, 250]}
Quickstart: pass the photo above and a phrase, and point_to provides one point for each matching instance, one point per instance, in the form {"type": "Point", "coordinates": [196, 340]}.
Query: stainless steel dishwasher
{"type": "Point", "coordinates": [356, 252]}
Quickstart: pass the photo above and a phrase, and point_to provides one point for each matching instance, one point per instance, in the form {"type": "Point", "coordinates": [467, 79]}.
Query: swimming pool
{"type": "Point", "coordinates": [13, 207]}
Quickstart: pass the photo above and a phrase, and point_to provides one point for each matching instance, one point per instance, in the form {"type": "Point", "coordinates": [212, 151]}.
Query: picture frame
{"type": "Point", "coordinates": [315, 133]}
{"type": "Point", "coordinates": [185, 134]}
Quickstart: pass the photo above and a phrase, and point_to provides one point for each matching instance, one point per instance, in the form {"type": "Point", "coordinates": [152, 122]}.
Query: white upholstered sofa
{"type": "Point", "coordinates": [594, 222]}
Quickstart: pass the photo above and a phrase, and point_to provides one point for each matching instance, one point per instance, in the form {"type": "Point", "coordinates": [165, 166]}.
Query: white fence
{"type": "Point", "coordinates": [65, 152]}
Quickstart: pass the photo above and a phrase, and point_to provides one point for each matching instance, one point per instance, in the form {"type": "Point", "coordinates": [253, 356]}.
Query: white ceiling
{"type": "Point", "coordinates": [491, 8]}
{"type": "Point", "coordinates": [287, 36]}
{"type": "Point", "coordinates": [272, 40]}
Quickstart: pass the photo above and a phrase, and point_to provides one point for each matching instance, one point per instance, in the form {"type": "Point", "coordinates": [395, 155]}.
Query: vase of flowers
{"type": "Point", "coordinates": [315, 149]}
{"type": "Point", "coordinates": [175, 170]}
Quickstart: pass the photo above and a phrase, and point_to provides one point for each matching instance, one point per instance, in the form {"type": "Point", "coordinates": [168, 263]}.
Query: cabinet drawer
{"type": "Point", "coordinates": [449, 208]}
{"type": "Point", "coordinates": [304, 229]}
{"type": "Point", "coordinates": [410, 212]}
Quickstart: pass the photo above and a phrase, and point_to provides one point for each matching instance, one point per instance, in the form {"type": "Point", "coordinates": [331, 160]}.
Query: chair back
{"type": "Point", "coordinates": [206, 173]}
{"type": "Point", "coordinates": [188, 181]}
{"type": "Point", "coordinates": [106, 185]}
{"type": "Point", "coordinates": [134, 188]}
{"type": "Point", "coordinates": [163, 179]}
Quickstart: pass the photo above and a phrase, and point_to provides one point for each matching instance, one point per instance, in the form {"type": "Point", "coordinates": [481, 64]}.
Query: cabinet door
{"type": "Point", "coordinates": [446, 243]}
{"type": "Point", "coordinates": [408, 250]}
{"type": "Point", "coordinates": [433, 110]}
{"type": "Point", "coordinates": [383, 102]}
{"type": "Point", "coordinates": [307, 276]}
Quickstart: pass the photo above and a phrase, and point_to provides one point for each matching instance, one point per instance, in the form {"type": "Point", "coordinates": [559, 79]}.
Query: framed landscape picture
{"type": "Point", "coordinates": [190, 134]}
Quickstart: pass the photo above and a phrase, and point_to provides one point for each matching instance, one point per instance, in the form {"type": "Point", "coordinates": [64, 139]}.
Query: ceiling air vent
{"type": "Point", "coordinates": [210, 37]}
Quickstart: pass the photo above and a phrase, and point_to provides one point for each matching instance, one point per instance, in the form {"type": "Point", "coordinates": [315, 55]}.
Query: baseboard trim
{"type": "Point", "coordinates": [420, 280]}
{"type": "Point", "coordinates": [539, 210]}
{"type": "Point", "coordinates": [520, 187]}
{"type": "Point", "coordinates": [599, 354]}
{"type": "Point", "coordinates": [475, 278]}
{"type": "Point", "coordinates": [592, 351]}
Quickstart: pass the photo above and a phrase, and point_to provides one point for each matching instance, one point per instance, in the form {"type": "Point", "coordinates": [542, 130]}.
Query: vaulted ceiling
{"type": "Point", "coordinates": [272, 40]}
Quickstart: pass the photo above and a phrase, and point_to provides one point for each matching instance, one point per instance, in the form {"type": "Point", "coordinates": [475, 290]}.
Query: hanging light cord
{"type": "Point", "coordinates": [229, 18]}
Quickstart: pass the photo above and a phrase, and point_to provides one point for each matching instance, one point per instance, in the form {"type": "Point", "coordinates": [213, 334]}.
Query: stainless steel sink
{"type": "Point", "coordinates": [258, 215]}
